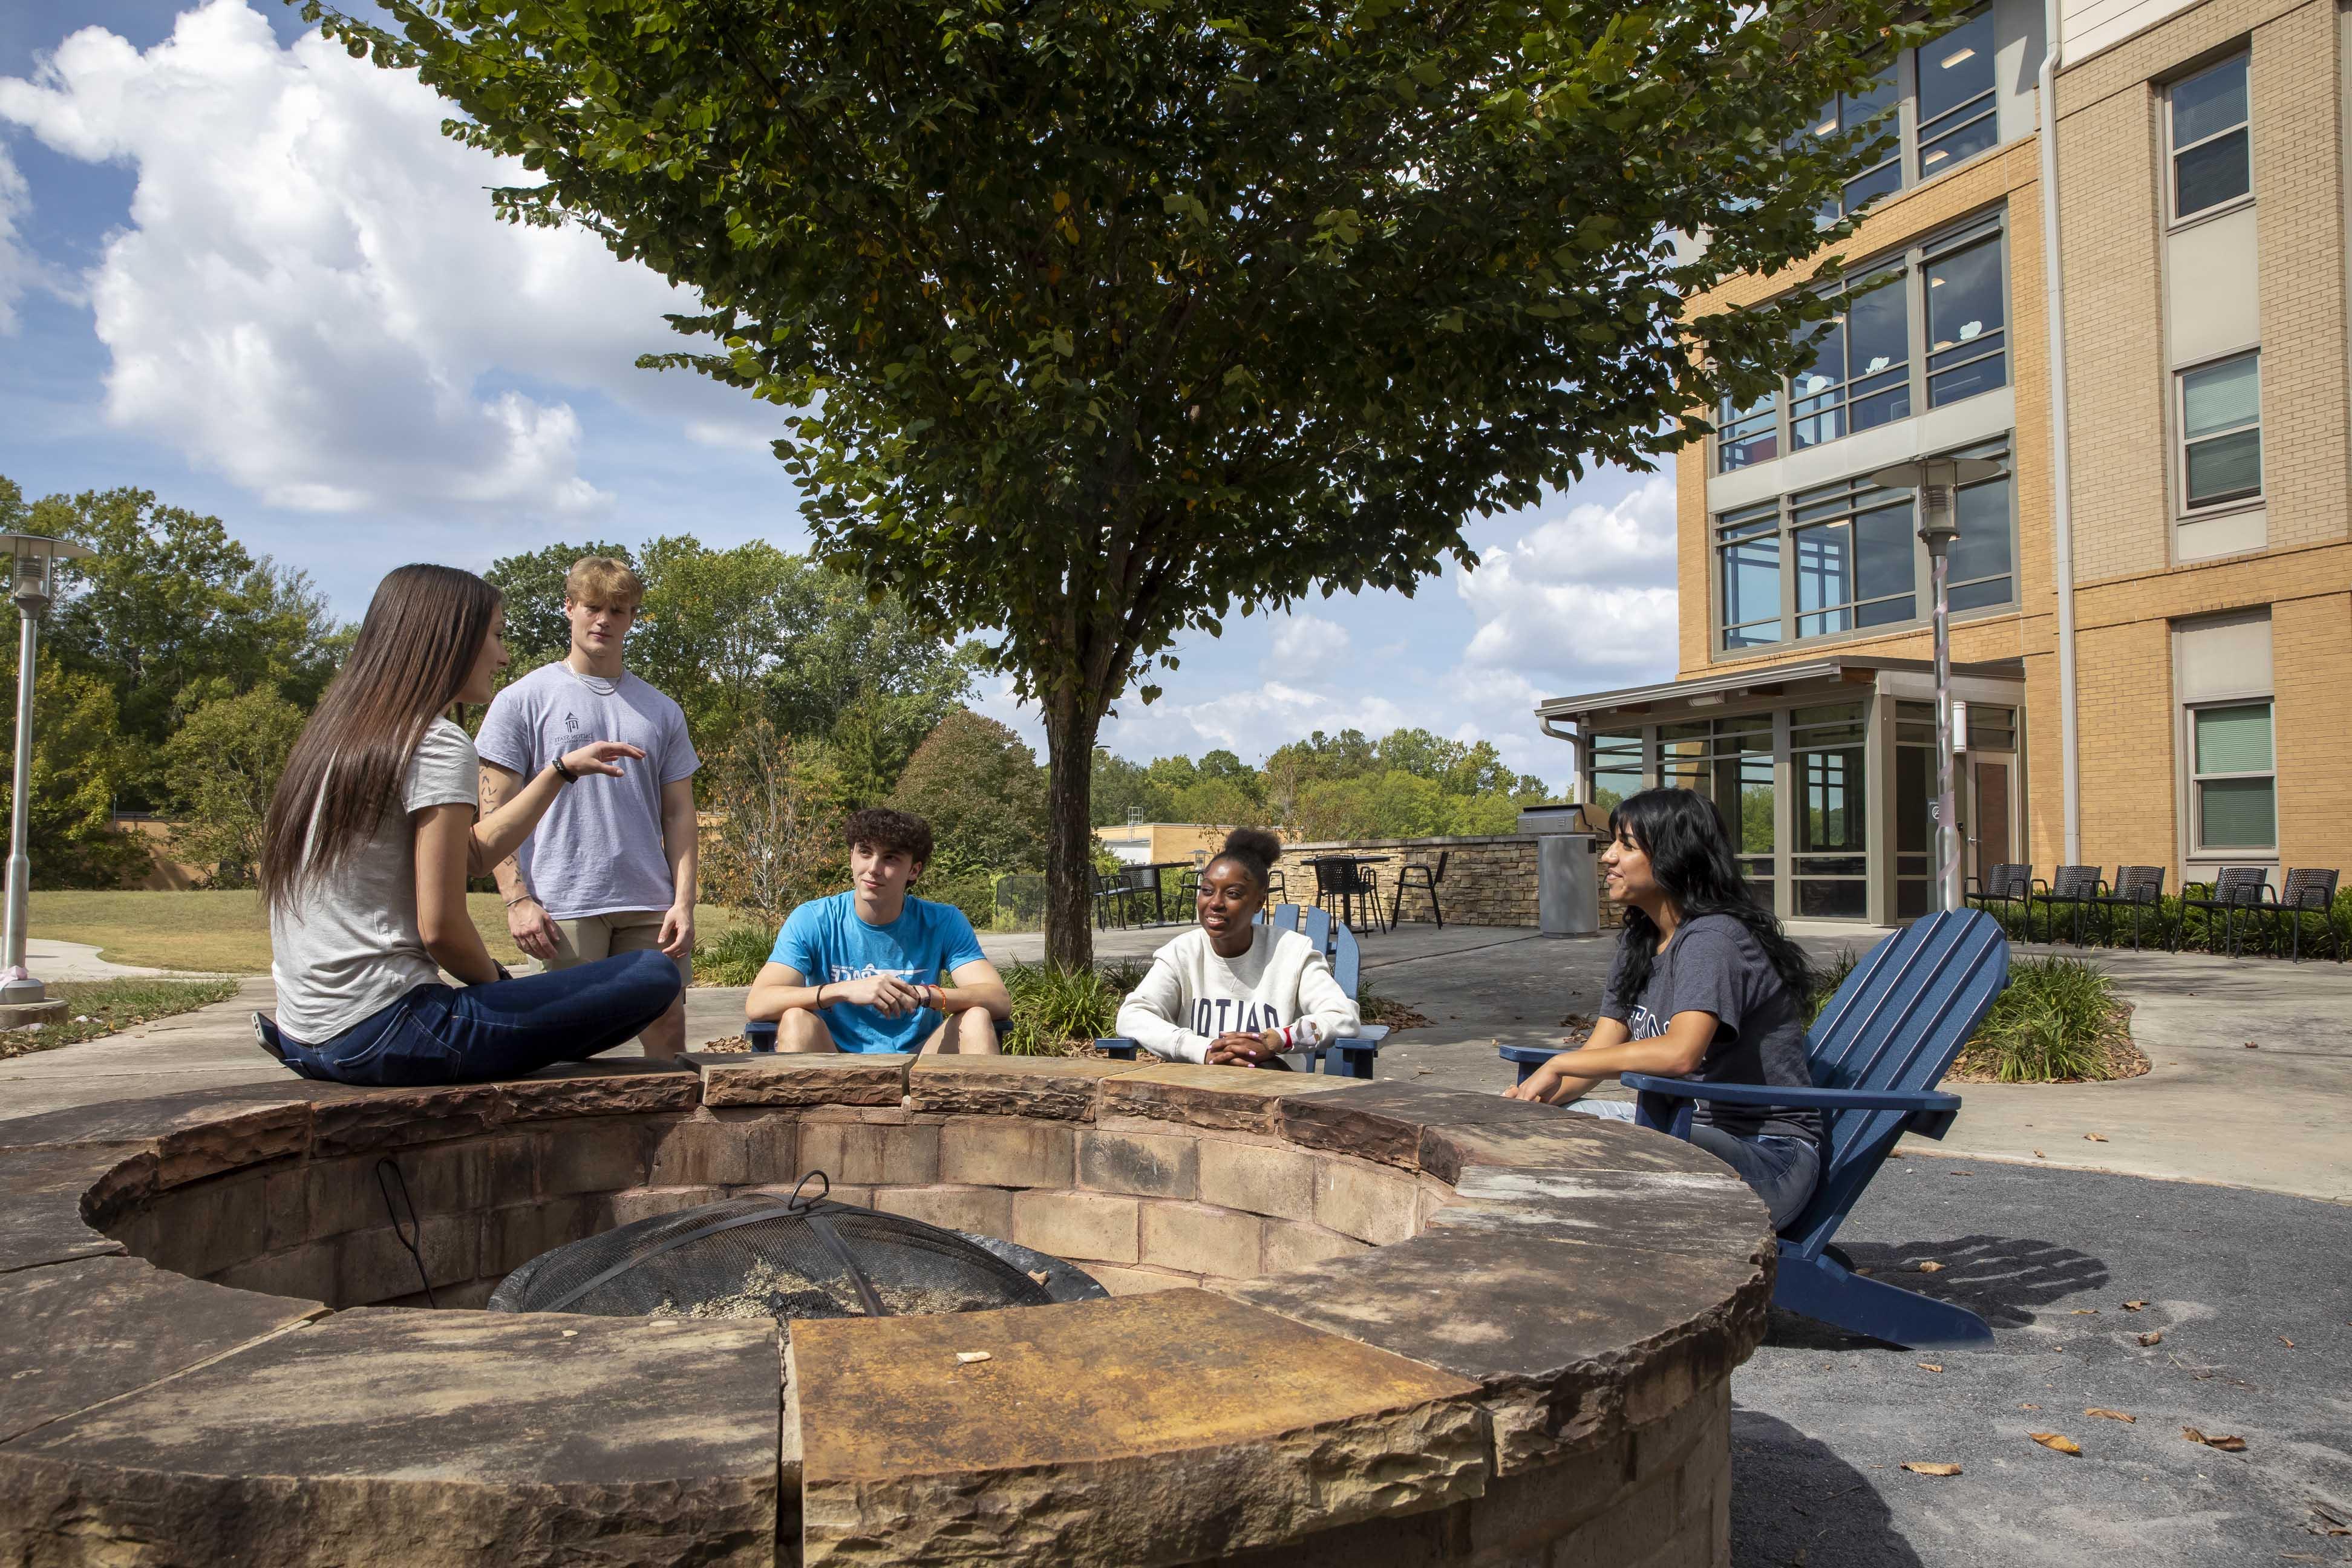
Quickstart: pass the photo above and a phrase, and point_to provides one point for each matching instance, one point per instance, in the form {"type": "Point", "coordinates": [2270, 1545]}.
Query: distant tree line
{"type": "Point", "coordinates": [1410, 783]}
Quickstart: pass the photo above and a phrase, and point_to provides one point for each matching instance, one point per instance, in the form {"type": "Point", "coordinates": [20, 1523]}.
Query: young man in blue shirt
{"type": "Point", "coordinates": [861, 970]}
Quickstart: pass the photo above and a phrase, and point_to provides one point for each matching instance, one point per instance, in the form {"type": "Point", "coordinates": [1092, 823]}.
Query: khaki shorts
{"type": "Point", "coordinates": [592, 937]}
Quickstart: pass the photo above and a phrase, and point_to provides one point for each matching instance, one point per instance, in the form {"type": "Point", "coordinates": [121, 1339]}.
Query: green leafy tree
{"type": "Point", "coordinates": [1121, 786]}
{"type": "Point", "coordinates": [221, 766]}
{"type": "Point", "coordinates": [1218, 802]}
{"type": "Point", "coordinates": [169, 601]}
{"type": "Point", "coordinates": [1099, 320]}
{"type": "Point", "coordinates": [80, 761]}
{"type": "Point", "coordinates": [979, 786]}
{"type": "Point", "coordinates": [775, 839]}
{"type": "Point", "coordinates": [533, 583]}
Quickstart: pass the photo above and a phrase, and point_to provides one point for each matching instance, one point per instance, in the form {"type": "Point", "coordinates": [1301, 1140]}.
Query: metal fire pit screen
{"type": "Point", "coordinates": [763, 1258]}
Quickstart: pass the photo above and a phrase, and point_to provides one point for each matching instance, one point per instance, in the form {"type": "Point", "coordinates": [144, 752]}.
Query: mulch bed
{"type": "Point", "coordinates": [2124, 1059]}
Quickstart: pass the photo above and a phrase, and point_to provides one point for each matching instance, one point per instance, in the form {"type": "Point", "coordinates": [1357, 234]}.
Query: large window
{"type": "Point", "coordinates": [2221, 431]}
{"type": "Point", "coordinates": [1948, 118]}
{"type": "Point", "coordinates": [1854, 545]}
{"type": "Point", "coordinates": [1920, 330]}
{"type": "Point", "coordinates": [1831, 864]}
{"type": "Point", "coordinates": [2234, 776]}
{"type": "Point", "coordinates": [1859, 376]}
{"type": "Point", "coordinates": [1617, 767]}
{"type": "Point", "coordinates": [2206, 122]}
{"type": "Point", "coordinates": [1730, 761]}
{"type": "Point", "coordinates": [1855, 561]}
{"type": "Point", "coordinates": [1749, 550]}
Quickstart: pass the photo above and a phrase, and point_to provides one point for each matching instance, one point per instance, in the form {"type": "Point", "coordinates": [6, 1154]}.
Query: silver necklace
{"type": "Point", "coordinates": [595, 683]}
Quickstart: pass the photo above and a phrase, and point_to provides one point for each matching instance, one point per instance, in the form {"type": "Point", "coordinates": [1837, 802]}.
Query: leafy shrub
{"type": "Point", "coordinates": [2049, 1025]}
{"type": "Point", "coordinates": [734, 956]}
{"type": "Point", "coordinates": [1827, 978]}
{"type": "Point", "coordinates": [1055, 1009]}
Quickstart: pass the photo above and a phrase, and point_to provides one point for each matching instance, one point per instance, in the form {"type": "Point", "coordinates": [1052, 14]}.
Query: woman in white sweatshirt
{"type": "Point", "coordinates": [1232, 994]}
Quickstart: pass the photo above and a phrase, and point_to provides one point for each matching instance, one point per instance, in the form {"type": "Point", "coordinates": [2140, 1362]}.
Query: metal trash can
{"type": "Point", "coordinates": [1568, 880]}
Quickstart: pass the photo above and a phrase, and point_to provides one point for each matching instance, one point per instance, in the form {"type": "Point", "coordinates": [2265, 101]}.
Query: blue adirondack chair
{"type": "Point", "coordinates": [1351, 1057]}
{"type": "Point", "coordinates": [1876, 1054]}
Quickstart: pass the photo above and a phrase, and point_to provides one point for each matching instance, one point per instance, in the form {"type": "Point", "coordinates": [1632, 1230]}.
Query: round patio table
{"type": "Point", "coordinates": [1352, 887]}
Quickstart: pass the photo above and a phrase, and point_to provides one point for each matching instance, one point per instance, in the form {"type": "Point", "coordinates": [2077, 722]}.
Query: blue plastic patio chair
{"type": "Point", "coordinates": [1352, 1057]}
{"type": "Point", "coordinates": [1876, 1054]}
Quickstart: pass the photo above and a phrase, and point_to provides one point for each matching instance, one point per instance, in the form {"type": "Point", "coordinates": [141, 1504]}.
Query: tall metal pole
{"type": "Point", "coordinates": [1947, 820]}
{"type": "Point", "coordinates": [16, 984]}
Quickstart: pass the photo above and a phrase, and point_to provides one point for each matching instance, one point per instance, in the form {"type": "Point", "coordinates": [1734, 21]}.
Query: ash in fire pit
{"type": "Point", "coordinates": [758, 1258]}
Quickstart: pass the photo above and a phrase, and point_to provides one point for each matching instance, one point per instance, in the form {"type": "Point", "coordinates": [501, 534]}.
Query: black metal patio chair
{"type": "Point", "coordinates": [2137, 888]}
{"type": "Point", "coordinates": [2006, 884]}
{"type": "Point", "coordinates": [2239, 890]}
{"type": "Point", "coordinates": [1343, 880]}
{"type": "Point", "coordinates": [2075, 886]}
{"type": "Point", "coordinates": [2309, 893]}
{"type": "Point", "coordinates": [1110, 899]}
{"type": "Point", "coordinates": [1420, 877]}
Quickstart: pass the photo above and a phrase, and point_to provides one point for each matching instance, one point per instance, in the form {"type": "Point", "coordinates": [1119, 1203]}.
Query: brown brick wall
{"type": "Point", "coordinates": [2311, 675]}
{"type": "Point", "coordinates": [1489, 881]}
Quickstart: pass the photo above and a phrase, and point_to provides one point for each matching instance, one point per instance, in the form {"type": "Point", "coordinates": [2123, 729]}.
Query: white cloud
{"type": "Point", "coordinates": [17, 269]}
{"type": "Point", "coordinates": [313, 297]}
{"type": "Point", "coordinates": [1307, 647]}
{"type": "Point", "coordinates": [1583, 596]}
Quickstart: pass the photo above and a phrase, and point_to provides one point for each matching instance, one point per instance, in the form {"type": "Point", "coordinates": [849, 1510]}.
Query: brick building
{"type": "Point", "coordinates": [2204, 623]}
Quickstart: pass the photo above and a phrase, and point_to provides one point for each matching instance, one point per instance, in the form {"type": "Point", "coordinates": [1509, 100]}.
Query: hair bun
{"type": "Point", "coordinates": [1254, 847]}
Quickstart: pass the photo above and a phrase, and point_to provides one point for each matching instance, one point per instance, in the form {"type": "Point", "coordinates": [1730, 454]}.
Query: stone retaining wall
{"type": "Point", "coordinates": [1360, 1323]}
{"type": "Point", "coordinates": [1489, 881]}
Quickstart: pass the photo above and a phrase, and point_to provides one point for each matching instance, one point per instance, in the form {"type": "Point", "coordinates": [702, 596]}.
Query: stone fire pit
{"type": "Point", "coordinates": [1354, 1322]}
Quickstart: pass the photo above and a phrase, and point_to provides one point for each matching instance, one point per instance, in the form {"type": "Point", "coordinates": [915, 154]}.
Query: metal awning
{"type": "Point", "coordinates": [1832, 668]}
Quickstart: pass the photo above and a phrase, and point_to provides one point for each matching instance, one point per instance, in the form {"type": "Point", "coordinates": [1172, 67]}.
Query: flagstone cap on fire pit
{"type": "Point", "coordinates": [1396, 1299]}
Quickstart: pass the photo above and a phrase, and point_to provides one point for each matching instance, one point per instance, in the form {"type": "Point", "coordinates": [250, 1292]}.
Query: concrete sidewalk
{"type": "Point", "coordinates": [2208, 1111]}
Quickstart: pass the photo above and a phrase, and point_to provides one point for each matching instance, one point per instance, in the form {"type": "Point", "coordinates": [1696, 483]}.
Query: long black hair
{"type": "Point", "coordinates": [1690, 857]}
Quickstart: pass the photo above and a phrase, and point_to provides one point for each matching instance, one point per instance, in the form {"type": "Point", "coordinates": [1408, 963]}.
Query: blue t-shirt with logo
{"type": "Point", "coordinates": [826, 944]}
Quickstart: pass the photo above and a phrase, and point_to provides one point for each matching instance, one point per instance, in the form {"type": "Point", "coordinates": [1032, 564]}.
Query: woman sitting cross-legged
{"type": "Point", "coordinates": [368, 841]}
{"type": "Point", "coordinates": [1232, 994]}
{"type": "Point", "coordinates": [1706, 986]}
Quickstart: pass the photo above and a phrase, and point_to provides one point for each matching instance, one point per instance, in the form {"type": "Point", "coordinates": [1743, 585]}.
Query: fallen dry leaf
{"type": "Point", "coordinates": [2028, 1408]}
{"type": "Point", "coordinates": [1931, 1268]}
{"type": "Point", "coordinates": [968, 1357]}
{"type": "Point", "coordinates": [2112, 1415]}
{"type": "Point", "coordinates": [2084, 1313]}
{"type": "Point", "coordinates": [1919, 1469]}
{"type": "Point", "coordinates": [2287, 1343]}
{"type": "Point", "coordinates": [2153, 1337]}
{"type": "Point", "coordinates": [2251, 1047]}
{"type": "Point", "coordinates": [1930, 1366]}
{"type": "Point", "coordinates": [1861, 1271]}
{"type": "Point", "coordinates": [2039, 1155]}
{"type": "Point", "coordinates": [2056, 1442]}
{"type": "Point", "coordinates": [2227, 1445]}
{"type": "Point", "coordinates": [2094, 1137]}
{"type": "Point", "coordinates": [2134, 1306]}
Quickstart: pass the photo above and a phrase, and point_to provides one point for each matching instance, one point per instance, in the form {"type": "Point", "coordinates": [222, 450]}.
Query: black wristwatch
{"type": "Point", "coordinates": [566, 774]}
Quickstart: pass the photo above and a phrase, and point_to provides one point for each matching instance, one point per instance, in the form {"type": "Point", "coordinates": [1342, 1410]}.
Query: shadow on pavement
{"type": "Point", "coordinates": [1793, 1500]}
{"type": "Point", "coordinates": [2002, 1280]}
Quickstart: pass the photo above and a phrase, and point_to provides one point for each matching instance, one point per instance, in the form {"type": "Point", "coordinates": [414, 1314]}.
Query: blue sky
{"type": "Point", "coordinates": [242, 270]}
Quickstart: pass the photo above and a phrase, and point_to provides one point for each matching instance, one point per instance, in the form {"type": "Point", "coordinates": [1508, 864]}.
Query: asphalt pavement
{"type": "Point", "coordinates": [2249, 1294]}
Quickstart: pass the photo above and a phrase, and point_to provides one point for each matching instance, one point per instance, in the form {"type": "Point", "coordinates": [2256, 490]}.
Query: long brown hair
{"type": "Point", "coordinates": [424, 630]}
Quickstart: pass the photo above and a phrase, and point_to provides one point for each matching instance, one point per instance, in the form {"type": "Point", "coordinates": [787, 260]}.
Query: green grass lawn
{"type": "Point", "coordinates": [226, 932]}
{"type": "Point", "coordinates": [95, 1008]}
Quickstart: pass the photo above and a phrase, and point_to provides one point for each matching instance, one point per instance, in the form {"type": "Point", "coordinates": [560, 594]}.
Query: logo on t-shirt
{"type": "Point", "coordinates": [843, 973]}
{"type": "Point", "coordinates": [1644, 1025]}
{"type": "Point", "coordinates": [571, 721]}
{"type": "Point", "coordinates": [1215, 1015]}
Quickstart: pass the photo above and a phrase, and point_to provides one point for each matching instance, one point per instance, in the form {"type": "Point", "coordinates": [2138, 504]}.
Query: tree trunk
{"type": "Point", "coordinates": [1071, 723]}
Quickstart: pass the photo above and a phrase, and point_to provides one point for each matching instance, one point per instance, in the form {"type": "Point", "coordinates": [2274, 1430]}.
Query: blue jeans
{"type": "Point", "coordinates": [445, 1034]}
{"type": "Point", "coordinates": [1783, 1171]}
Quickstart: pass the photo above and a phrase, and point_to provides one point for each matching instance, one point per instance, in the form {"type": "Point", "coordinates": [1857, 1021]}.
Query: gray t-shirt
{"type": "Point", "coordinates": [349, 948]}
{"type": "Point", "coordinates": [1715, 965]}
{"type": "Point", "coordinates": [598, 850]}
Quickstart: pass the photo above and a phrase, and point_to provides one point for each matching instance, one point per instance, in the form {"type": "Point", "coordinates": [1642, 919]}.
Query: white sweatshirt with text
{"type": "Point", "coordinates": [1191, 995]}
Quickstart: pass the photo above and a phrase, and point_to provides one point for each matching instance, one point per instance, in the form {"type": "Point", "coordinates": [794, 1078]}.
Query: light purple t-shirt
{"type": "Point", "coordinates": [598, 850]}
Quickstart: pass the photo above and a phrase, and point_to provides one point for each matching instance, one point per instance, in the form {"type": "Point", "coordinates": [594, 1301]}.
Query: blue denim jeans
{"type": "Point", "coordinates": [447, 1034]}
{"type": "Point", "coordinates": [1783, 1171]}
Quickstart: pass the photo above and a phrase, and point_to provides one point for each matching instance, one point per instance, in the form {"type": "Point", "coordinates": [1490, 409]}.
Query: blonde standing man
{"type": "Point", "coordinates": [609, 871]}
